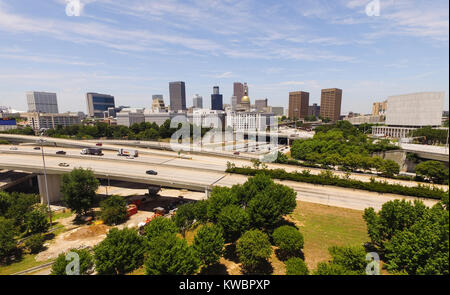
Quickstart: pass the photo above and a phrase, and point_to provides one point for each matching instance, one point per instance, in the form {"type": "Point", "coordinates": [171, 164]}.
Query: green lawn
{"type": "Point", "coordinates": [323, 226]}
{"type": "Point", "coordinates": [28, 261]}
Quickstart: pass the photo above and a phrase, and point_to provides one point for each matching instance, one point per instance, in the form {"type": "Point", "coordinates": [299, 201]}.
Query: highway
{"type": "Point", "coordinates": [197, 174]}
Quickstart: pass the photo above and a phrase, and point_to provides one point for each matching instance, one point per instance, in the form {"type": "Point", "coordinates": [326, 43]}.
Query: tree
{"type": "Point", "coordinates": [234, 221]}
{"type": "Point", "coordinates": [159, 226]}
{"type": "Point", "coordinates": [114, 210]}
{"type": "Point", "coordinates": [296, 266]}
{"type": "Point", "coordinates": [220, 198]}
{"type": "Point", "coordinates": [86, 262]}
{"type": "Point", "coordinates": [209, 243]}
{"type": "Point", "coordinates": [37, 222]}
{"type": "Point", "coordinates": [35, 243]}
{"type": "Point", "coordinates": [289, 240]}
{"type": "Point", "coordinates": [433, 170]}
{"type": "Point", "coordinates": [352, 258]}
{"type": "Point", "coordinates": [331, 269]}
{"type": "Point", "coordinates": [184, 219]}
{"type": "Point", "coordinates": [253, 249]}
{"type": "Point", "coordinates": [389, 168]}
{"type": "Point", "coordinates": [122, 251]}
{"type": "Point", "coordinates": [78, 188]}
{"type": "Point", "coordinates": [16, 206]}
{"type": "Point", "coordinates": [8, 244]}
{"type": "Point", "coordinates": [170, 255]}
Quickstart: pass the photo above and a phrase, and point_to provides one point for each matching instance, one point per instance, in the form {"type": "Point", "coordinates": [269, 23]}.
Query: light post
{"type": "Point", "coordinates": [41, 141]}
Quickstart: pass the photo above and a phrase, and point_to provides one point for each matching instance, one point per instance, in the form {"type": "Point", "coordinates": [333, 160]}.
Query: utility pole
{"type": "Point", "coordinates": [41, 141]}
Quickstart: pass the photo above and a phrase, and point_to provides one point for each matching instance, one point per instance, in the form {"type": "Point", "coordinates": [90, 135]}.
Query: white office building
{"type": "Point", "coordinates": [39, 121]}
{"type": "Point", "coordinates": [249, 121]}
{"type": "Point", "coordinates": [129, 116]}
{"type": "Point", "coordinates": [43, 102]}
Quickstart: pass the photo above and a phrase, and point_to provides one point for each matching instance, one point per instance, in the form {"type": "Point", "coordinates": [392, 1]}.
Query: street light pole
{"type": "Point", "coordinates": [45, 179]}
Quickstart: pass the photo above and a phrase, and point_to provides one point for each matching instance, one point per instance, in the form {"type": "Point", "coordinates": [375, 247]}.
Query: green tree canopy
{"type": "Point", "coordinates": [86, 262]}
{"type": "Point", "coordinates": [122, 251]}
{"type": "Point", "coordinates": [433, 170]}
{"type": "Point", "coordinates": [253, 249]}
{"type": "Point", "coordinates": [289, 240]}
{"type": "Point", "coordinates": [159, 226]}
{"type": "Point", "coordinates": [296, 266]}
{"type": "Point", "coordinates": [114, 210]}
{"type": "Point", "coordinates": [234, 221]}
{"type": "Point", "coordinates": [209, 243]}
{"type": "Point", "coordinates": [78, 188]}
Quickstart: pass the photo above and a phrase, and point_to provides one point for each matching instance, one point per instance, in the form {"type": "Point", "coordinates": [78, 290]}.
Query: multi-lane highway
{"type": "Point", "coordinates": [198, 173]}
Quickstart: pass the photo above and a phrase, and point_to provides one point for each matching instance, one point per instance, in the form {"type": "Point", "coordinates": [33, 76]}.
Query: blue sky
{"type": "Point", "coordinates": [133, 48]}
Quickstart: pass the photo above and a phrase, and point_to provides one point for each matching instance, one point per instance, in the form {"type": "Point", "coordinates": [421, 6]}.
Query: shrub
{"type": "Point", "coordinates": [296, 266]}
{"type": "Point", "coordinates": [35, 243]}
{"type": "Point", "coordinates": [289, 240]}
{"type": "Point", "coordinates": [208, 243]}
{"type": "Point", "coordinates": [253, 249]}
{"type": "Point", "coordinates": [159, 226]}
{"type": "Point", "coordinates": [86, 262]}
{"type": "Point", "coordinates": [37, 222]}
{"type": "Point", "coordinates": [8, 244]}
{"type": "Point", "coordinates": [170, 255]}
{"type": "Point", "coordinates": [113, 210]}
{"type": "Point", "coordinates": [122, 251]}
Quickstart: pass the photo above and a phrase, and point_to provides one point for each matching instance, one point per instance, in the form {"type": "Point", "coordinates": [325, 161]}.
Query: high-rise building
{"type": "Point", "coordinates": [216, 99]}
{"type": "Point", "coordinates": [261, 104]}
{"type": "Point", "coordinates": [379, 108]}
{"type": "Point", "coordinates": [238, 91]}
{"type": "Point", "coordinates": [158, 103]}
{"type": "Point", "coordinates": [42, 102]}
{"type": "Point", "coordinates": [98, 103]}
{"type": "Point", "coordinates": [314, 110]}
{"type": "Point", "coordinates": [197, 102]}
{"type": "Point", "coordinates": [177, 91]}
{"type": "Point", "coordinates": [330, 104]}
{"type": "Point", "coordinates": [234, 102]}
{"type": "Point", "coordinates": [298, 104]}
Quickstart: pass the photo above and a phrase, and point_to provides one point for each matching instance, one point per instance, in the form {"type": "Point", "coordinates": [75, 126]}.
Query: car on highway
{"type": "Point", "coordinates": [36, 148]}
{"type": "Point", "coordinates": [13, 148]}
{"type": "Point", "coordinates": [98, 144]}
{"type": "Point", "coordinates": [236, 153]}
{"type": "Point", "coordinates": [151, 172]}
{"type": "Point", "coordinates": [63, 165]}
{"type": "Point", "coordinates": [60, 152]}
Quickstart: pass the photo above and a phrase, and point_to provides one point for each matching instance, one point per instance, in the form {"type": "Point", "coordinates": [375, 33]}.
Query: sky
{"type": "Point", "coordinates": [132, 49]}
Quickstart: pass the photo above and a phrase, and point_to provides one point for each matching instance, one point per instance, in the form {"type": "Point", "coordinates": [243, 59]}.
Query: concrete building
{"type": "Point", "coordinates": [356, 120]}
{"type": "Point", "coordinates": [216, 99]}
{"type": "Point", "coordinates": [98, 103]}
{"type": "Point", "coordinates": [238, 91]}
{"type": "Point", "coordinates": [379, 108]}
{"type": "Point", "coordinates": [277, 111]}
{"type": "Point", "coordinates": [177, 92]}
{"type": "Point", "coordinates": [298, 104]}
{"type": "Point", "coordinates": [234, 102]}
{"type": "Point", "coordinates": [208, 118]}
{"type": "Point", "coordinates": [330, 103]}
{"type": "Point", "coordinates": [261, 104]}
{"type": "Point", "coordinates": [158, 118]}
{"type": "Point", "coordinates": [197, 102]}
{"type": "Point", "coordinates": [158, 105]}
{"type": "Point", "coordinates": [314, 110]}
{"type": "Point", "coordinates": [39, 121]}
{"type": "Point", "coordinates": [42, 102]}
{"type": "Point", "coordinates": [128, 117]}
{"type": "Point", "coordinates": [415, 109]}
{"type": "Point", "coordinates": [248, 121]}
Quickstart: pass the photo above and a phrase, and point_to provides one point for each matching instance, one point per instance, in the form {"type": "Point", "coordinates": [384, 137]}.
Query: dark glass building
{"type": "Point", "coordinates": [216, 99]}
{"type": "Point", "coordinates": [177, 91]}
{"type": "Point", "coordinates": [98, 103]}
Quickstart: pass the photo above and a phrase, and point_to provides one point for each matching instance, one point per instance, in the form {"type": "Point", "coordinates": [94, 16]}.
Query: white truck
{"type": "Point", "coordinates": [127, 152]}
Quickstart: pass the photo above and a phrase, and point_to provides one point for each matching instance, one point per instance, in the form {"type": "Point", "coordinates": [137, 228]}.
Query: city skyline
{"type": "Point", "coordinates": [132, 50]}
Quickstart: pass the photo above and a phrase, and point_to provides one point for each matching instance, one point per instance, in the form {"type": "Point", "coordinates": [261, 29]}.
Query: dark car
{"type": "Point", "coordinates": [151, 172]}
{"type": "Point", "coordinates": [60, 152]}
{"type": "Point", "coordinates": [36, 148]}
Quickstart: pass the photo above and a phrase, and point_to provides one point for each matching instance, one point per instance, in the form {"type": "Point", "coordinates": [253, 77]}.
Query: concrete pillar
{"type": "Point", "coordinates": [54, 188]}
{"type": "Point", "coordinates": [207, 192]}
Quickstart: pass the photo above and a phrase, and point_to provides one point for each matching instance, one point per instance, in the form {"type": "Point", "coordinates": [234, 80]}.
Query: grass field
{"type": "Point", "coordinates": [323, 226]}
{"type": "Point", "coordinates": [28, 261]}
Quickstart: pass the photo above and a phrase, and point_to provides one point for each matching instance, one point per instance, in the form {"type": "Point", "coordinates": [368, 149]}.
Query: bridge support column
{"type": "Point", "coordinates": [207, 192]}
{"type": "Point", "coordinates": [54, 188]}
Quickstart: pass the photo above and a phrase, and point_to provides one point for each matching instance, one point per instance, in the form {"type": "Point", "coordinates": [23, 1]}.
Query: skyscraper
{"type": "Point", "coordinates": [158, 103]}
{"type": "Point", "coordinates": [314, 110]}
{"type": "Point", "coordinates": [260, 104]}
{"type": "Point", "coordinates": [42, 102]}
{"type": "Point", "coordinates": [330, 104]}
{"type": "Point", "coordinates": [233, 103]}
{"type": "Point", "coordinates": [197, 102]}
{"type": "Point", "coordinates": [238, 91]}
{"type": "Point", "coordinates": [177, 91]}
{"type": "Point", "coordinates": [216, 99]}
{"type": "Point", "coordinates": [98, 103]}
{"type": "Point", "coordinates": [298, 104]}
